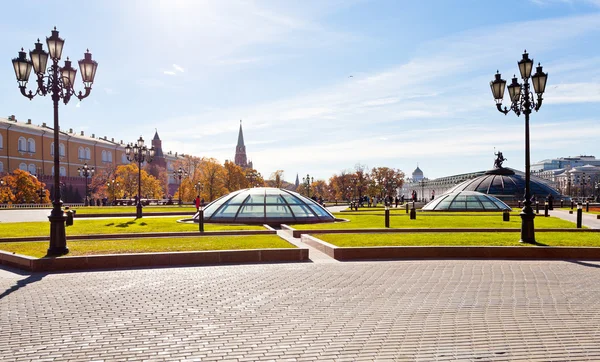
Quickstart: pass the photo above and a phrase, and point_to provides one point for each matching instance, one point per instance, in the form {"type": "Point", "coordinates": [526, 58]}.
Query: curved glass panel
{"type": "Point", "coordinates": [466, 201]}
{"type": "Point", "coordinates": [264, 205]}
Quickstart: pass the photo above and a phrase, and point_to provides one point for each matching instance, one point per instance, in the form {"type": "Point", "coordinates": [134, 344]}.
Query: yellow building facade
{"type": "Point", "coordinates": [30, 147]}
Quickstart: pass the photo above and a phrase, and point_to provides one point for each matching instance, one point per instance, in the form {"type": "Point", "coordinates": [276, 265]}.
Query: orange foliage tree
{"type": "Point", "coordinates": [21, 187]}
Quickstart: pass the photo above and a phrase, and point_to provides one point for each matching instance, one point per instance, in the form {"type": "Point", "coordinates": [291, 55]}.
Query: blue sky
{"type": "Point", "coordinates": [322, 85]}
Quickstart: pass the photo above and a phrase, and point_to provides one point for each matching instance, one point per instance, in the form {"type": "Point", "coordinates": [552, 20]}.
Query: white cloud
{"type": "Point", "coordinates": [413, 103]}
{"type": "Point", "coordinates": [169, 72]}
{"type": "Point", "coordinates": [178, 68]}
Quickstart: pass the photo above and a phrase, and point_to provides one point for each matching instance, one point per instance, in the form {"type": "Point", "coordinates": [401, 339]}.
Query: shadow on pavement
{"type": "Point", "coordinates": [591, 265]}
{"type": "Point", "coordinates": [23, 283]}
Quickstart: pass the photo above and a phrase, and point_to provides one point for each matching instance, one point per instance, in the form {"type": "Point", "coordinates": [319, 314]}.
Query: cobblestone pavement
{"type": "Point", "coordinates": [397, 311]}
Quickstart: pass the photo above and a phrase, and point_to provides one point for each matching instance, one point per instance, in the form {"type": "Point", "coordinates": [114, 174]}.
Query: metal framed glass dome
{"type": "Point", "coordinates": [466, 201]}
{"type": "Point", "coordinates": [265, 205]}
{"type": "Point", "coordinates": [507, 185]}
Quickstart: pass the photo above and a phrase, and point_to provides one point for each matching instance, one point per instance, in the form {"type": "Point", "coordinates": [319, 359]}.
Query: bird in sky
{"type": "Point", "coordinates": [351, 76]}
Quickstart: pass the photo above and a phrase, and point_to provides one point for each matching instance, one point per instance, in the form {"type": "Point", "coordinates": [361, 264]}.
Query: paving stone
{"type": "Point", "coordinates": [361, 311]}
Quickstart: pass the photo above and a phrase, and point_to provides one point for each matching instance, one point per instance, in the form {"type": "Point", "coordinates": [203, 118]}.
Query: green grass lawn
{"type": "Point", "coordinates": [460, 239]}
{"type": "Point", "coordinates": [149, 245]}
{"type": "Point", "coordinates": [434, 220]}
{"type": "Point", "coordinates": [94, 210]}
{"type": "Point", "coordinates": [115, 226]}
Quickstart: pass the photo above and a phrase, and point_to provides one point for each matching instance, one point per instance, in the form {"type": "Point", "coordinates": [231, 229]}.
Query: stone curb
{"type": "Point", "coordinates": [116, 261]}
{"type": "Point", "coordinates": [133, 214]}
{"type": "Point", "coordinates": [452, 252]}
{"type": "Point", "coordinates": [143, 235]}
{"type": "Point", "coordinates": [298, 233]}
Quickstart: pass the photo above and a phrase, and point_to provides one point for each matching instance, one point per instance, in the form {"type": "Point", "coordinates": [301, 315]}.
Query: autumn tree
{"type": "Point", "coordinates": [234, 177]}
{"type": "Point", "coordinates": [160, 173]}
{"type": "Point", "coordinates": [342, 185]}
{"type": "Point", "coordinates": [319, 189]}
{"type": "Point", "coordinates": [276, 179]}
{"type": "Point", "coordinates": [22, 187]}
{"type": "Point", "coordinates": [127, 176]}
{"type": "Point", "coordinates": [386, 181]}
{"type": "Point", "coordinates": [212, 176]}
{"type": "Point", "coordinates": [254, 178]}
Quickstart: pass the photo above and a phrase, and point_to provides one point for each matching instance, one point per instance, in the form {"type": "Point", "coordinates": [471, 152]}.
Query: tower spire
{"type": "Point", "coordinates": [240, 141]}
{"type": "Point", "coordinates": [240, 150]}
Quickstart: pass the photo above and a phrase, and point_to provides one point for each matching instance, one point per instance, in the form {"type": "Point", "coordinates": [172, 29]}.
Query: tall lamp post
{"type": "Point", "coordinates": [140, 154]}
{"type": "Point", "coordinates": [307, 181]}
{"type": "Point", "coordinates": [179, 174]}
{"type": "Point", "coordinates": [522, 101]}
{"type": "Point", "coordinates": [86, 172]}
{"type": "Point", "coordinates": [111, 186]}
{"type": "Point", "coordinates": [58, 83]}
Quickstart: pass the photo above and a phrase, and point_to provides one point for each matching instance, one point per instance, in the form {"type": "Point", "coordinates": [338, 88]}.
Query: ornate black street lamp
{"type": "Point", "coordinates": [111, 186]}
{"type": "Point", "coordinates": [58, 83]}
{"type": "Point", "coordinates": [140, 154]}
{"type": "Point", "coordinates": [583, 183]}
{"type": "Point", "coordinates": [179, 174]}
{"type": "Point", "coordinates": [522, 101]}
{"type": "Point", "coordinates": [307, 181]}
{"type": "Point", "coordinates": [42, 193]}
{"type": "Point", "coordinates": [86, 172]}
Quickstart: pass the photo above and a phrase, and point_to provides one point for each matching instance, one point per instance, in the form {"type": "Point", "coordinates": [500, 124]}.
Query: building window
{"type": "Point", "coordinates": [61, 150]}
{"type": "Point", "coordinates": [103, 156]}
{"type": "Point", "coordinates": [81, 153]}
{"type": "Point", "coordinates": [1, 167]}
{"type": "Point", "coordinates": [88, 154]}
{"type": "Point", "coordinates": [63, 171]}
{"type": "Point", "coordinates": [31, 145]}
{"type": "Point", "coordinates": [22, 144]}
{"type": "Point", "coordinates": [32, 169]}
{"type": "Point", "coordinates": [109, 156]}
{"type": "Point", "coordinates": [23, 166]}
{"type": "Point", "coordinates": [124, 159]}
{"type": "Point", "coordinates": [1, 141]}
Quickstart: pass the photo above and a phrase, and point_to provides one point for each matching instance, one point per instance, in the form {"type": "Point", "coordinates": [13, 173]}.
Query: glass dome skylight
{"type": "Point", "coordinates": [265, 205]}
{"type": "Point", "coordinates": [466, 201]}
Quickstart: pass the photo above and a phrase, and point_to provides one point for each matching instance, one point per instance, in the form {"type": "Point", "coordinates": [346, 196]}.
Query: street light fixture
{"type": "Point", "coordinates": [59, 84]}
{"type": "Point", "coordinates": [140, 154]}
{"type": "Point", "coordinates": [307, 181]}
{"type": "Point", "coordinates": [179, 174]}
{"type": "Point", "coordinates": [111, 186]}
{"type": "Point", "coordinates": [86, 172]}
{"type": "Point", "coordinates": [522, 101]}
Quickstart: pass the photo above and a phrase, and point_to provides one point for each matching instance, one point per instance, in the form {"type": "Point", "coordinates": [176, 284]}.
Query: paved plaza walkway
{"type": "Point", "coordinates": [367, 311]}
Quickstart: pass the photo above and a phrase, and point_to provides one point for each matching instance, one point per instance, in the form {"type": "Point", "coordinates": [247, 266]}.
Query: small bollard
{"type": "Point", "coordinates": [572, 204]}
{"type": "Point", "coordinates": [519, 203]}
{"type": "Point", "coordinates": [546, 208]}
{"type": "Point", "coordinates": [506, 215]}
{"type": "Point", "coordinates": [69, 214]}
{"type": "Point", "coordinates": [537, 207]}
{"type": "Point", "coordinates": [387, 216]}
{"type": "Point", "coordinates": [201, 219]}
{"type": "Point", "coordinates": [406, 207]}
{"type": "Point", "coordinates": [413, 213]}
{"type": "Point", "coordinates": [587, 206]}
{"type": "Point", "coordinates": [561, 203]}
{"type": "Point", "coordinates": [579, 214]}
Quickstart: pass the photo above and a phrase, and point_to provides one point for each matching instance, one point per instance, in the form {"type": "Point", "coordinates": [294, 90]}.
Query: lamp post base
{"type": "Point", "coordinates": [58, 235]}
{"type": "Point", "coordinates": [138, 210]}
{"type": "Point", "coordinates": [527, 228]}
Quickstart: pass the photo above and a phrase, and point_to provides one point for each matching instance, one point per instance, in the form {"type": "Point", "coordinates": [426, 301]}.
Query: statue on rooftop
{"type": "Point", "coordinates": [499, 159]}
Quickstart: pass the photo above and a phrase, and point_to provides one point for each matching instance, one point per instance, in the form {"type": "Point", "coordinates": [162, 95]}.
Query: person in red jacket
{"type": "Point", "coordinates": [198, 202]}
